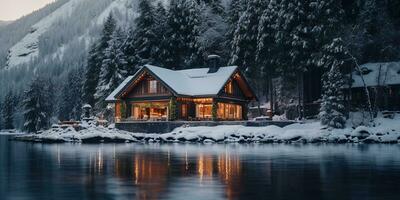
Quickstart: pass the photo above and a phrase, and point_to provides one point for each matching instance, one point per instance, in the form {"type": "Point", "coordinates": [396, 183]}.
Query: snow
{"type": "Point", "coordinates": [190, 82]}
{"type": "Point", "coordinates": [11, 132]}
{"type": "Point", "coordinates": [384, 131]}
{"type": "Point", "coordinates": [121, 5]}
{"type": "Point", "coordinates": [380, 74]}
{"type": "Point", "coordinates": [26, 49]}
{"type": "Point", "coordinates": [111, 97]}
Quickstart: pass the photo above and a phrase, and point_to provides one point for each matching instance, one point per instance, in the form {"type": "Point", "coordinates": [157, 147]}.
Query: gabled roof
{"type": "Point", "coordinates": [377, 74]}
{"type": "Point", "coordinates": [190, 82]}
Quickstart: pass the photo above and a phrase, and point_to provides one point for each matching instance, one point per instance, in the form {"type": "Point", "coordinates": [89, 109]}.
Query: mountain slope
{"type": "Point", "coordinates": [56, 31]}
{"type": "Point", "coordinates": [4, 23]}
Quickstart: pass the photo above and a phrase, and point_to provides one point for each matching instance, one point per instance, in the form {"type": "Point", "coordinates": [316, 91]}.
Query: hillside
{"type": "Point", "coordinates": [58, 31]}
{"type": "Point", "coordinates": [4, 23]}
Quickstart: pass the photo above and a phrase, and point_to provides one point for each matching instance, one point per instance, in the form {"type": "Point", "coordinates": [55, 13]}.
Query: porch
{"type": "Point", "coordinates": [186, 109]}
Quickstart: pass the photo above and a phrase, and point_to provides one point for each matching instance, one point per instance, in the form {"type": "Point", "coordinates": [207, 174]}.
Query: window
{"type": "Point", "coordinates": [153, 86]}
{"type": "Point", "coordinates": [184, 109]}
{"type": "Point", "coordinates": [204, 111]}
{"type": "Point", "coordinates": [229, 88]}
{"type": "Point", "coordinates": [229, 111]}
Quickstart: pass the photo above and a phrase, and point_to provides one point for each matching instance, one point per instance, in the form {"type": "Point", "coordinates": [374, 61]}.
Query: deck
{"type": "Point", "coordinates": [168, 126]}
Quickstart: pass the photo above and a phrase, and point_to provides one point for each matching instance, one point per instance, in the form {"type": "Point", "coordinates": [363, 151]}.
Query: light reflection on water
{"type": "Point", "coordinates": [192, 171]}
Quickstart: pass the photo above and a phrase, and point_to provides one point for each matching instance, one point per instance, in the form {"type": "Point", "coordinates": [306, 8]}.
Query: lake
{"type": "Point", "coordinates": [198, 171]}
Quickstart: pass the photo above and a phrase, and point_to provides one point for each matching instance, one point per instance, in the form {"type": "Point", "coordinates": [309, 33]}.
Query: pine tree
{"type": "Point", "coordinates": [376, 33]}
{"type": "Point", "coordinates": [129, 50]}
{"type": "Point", "coordinates": [181, 40]}
{"type": "Point", "coordinates": [216, 6]}
{"type": "Point", "coordinates": [267, 48]}
{"type": "Point", "coordinates": [302, 29]}
{"type": "Point", "coordinates": [113, 70]}
{"type": "Point", "coordinates": [332, 106]}
{"type": "Point", "coordinates": [161, 50]}
{"type": "Point", "coordinates": [146, 41]}
{"type": "Point", "coordinates": [8, 110]}
{"type": "Point", "coordinates": [71, 105]}
{"type": "Point", "coordinates": [91, 76]}
{"type": "Point", "coordinates": [235, 10]}
{"type": "Point", "coordinates": [95, 59]}
{"type": "Point", "coordinates": [244, 44]}
{"type": "Point", "coordinates": [213, 38]}
{"type": "Point", "coordinates": [332, 111]}
{"type": "Point", "coordinates": [38, 105]}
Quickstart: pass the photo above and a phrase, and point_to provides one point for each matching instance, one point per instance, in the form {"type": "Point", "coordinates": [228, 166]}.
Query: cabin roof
{"type": "Point", "coordinates": [377, 74]}
{"type": "Point", "coordinates": [189, 82]}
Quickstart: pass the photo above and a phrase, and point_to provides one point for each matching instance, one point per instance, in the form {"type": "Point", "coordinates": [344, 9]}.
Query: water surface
{"type": "Point", "coordinates": [195, 171]}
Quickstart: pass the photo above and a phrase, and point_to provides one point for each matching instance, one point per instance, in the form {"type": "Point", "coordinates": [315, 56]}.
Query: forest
{"type": "Point", "coordinates": [267, 39]}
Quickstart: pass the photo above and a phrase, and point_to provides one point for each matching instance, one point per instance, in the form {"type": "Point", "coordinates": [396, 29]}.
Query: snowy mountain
{"type": "Point", "coordinates": [4, 23]}
{"type": "Point", "coordinates": [52, 36]}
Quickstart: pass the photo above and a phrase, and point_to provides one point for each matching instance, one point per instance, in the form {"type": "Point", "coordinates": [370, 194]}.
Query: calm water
{"type": "Point", "coordinates": [183, 171]}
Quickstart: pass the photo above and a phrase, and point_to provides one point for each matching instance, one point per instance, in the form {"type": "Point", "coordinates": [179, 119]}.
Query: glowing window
{"type": "Point", "coordinates": [229, 88]}
{"type": "Point", "coordinates": [153, 86]}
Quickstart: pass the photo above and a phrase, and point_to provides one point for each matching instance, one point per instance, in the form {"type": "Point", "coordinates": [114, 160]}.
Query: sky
{"type": "Point", "coordinates": [14, 9]}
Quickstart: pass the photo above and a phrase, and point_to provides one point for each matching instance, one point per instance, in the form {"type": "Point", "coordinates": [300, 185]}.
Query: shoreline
{"type": "Point", "coordinates": [386, 131]}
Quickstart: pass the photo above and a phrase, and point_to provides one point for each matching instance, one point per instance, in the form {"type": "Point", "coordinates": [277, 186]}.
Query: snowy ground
{"type": "Point", "coordinates": [10, 132]}
{"type": "Point", "coordinates": [384, 131]}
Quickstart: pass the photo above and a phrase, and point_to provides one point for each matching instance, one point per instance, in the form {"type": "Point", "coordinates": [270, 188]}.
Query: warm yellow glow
{"type": "Point", "coordinates": [204, 111]}
{"type": "Point", "coordinates": [203, 100]}
{"type": "Point", "coordinates": [229, 111]}
{"type": "Point", "coordinates": [229, 88]}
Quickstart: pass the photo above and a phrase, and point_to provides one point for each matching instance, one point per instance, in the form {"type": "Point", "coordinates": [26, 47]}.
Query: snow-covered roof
{"type": "Point", "coordinates": [378, 74]}
{"type": "Point", "coordinates": [111, 97]}
{"type": "Point", "coordinates": [190, 82]}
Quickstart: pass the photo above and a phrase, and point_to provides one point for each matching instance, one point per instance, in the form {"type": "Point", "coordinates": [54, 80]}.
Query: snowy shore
{"type": "Point", "coordinates": [384, 131]}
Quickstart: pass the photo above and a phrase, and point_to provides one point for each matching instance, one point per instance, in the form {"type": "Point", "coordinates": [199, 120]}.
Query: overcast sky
{"type": "Point", "coordinates": [14, 9]}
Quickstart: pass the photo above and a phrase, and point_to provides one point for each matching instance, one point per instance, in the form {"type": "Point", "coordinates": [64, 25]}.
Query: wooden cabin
{"type": "Point", "coordinates": [383, 83]}
{"type": "Point", "coordinates": [159, 94]}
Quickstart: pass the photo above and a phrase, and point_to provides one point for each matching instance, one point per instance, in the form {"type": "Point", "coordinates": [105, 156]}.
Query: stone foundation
{"type": "Point", "coordinates": [165, 127]}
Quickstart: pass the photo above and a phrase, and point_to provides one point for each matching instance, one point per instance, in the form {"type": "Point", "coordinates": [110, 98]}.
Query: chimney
{"type": "Point", "coordinates": [213, 62]}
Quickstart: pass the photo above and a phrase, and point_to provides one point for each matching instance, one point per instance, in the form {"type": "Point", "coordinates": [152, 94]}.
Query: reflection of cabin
{"type": "Point", "coordinates": [159, 94]}
{"type": "Point", "coordinates": [383, 82]}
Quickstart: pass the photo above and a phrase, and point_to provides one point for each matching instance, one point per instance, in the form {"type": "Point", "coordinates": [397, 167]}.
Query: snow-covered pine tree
{"type": "Point", "coordinates": [91, 75]}
{"type": "Point", "coordinates": [216, 6]}
{"type": "Point", "coordinates": [213, 28]}
{"type": "Point", "coordinates": [333, 111]}
{"type": "Point", "coordinates": [95, 59]}
{"type": "Point", "coordinates": [129, 50]}
{"type": "Point", "coordinates": [235, 10]}
{"type": "Point", "coordinates": [8, 110]}
{"type": "Point", "coordinates": [71, 100]}
{"type": "Point", "coordinates": [161, 51]}
{"type": "Point", "coordinates": [302, 29]}
{"type": "Point", "coordinates": [332, 106]}
{"type": "Point", "coordinates": [267, 49]}
{"type": "Point", "coordinates": [182, 34]}
{"type": "Point", "coordinates": [244, 44]}
{"type": "Point", "coordinates": [376, 32]}
{"type": "Point", "coordinates": [113, 70]}
{"type": "Point", "coordinates": [145, 36]}
{"type": "Point", "coordinates": [38, 108]}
